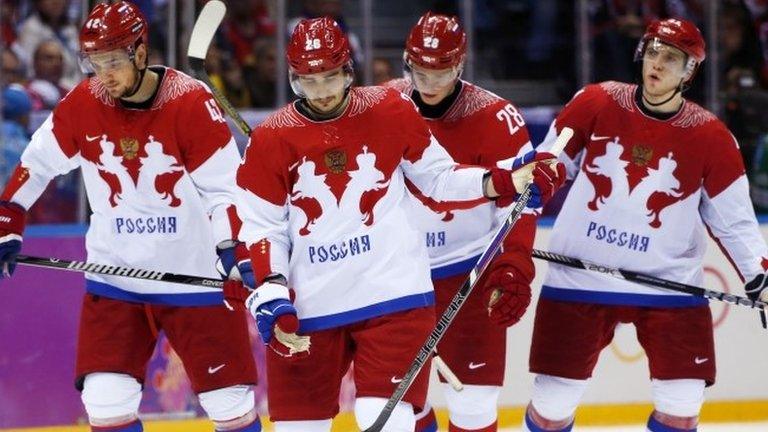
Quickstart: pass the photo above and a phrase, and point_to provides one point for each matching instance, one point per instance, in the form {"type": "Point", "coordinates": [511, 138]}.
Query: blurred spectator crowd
{"type": "Point", "coordinates": [514, 41]}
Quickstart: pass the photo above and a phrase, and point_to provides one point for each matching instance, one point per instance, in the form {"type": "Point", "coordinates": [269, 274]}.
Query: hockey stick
{"type": "Point", "coordinates": [447, 373]}
{"type": "Point", "coordinates": [645, 279]}
{"type": "Point", "coordinates": [202, 34]}
{"type": "Point", "coordinates": [86, 267]}
{"type": "Point", "coordinates": [461, 296]}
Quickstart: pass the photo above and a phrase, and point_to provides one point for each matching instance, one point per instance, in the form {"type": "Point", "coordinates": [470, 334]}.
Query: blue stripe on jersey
{"type": "Point", "coordinates": [371, 311]}
{"type": "Point", "coordinates": [56, 230]}
{"type": "Point", "coordinates": [621, 299]}
{"type": "Point", "coordinates": [185, 299]}
{"type": "Point", "coordinates": [545, 221]}
{"type": "Point", "coordinates": [461, 267]}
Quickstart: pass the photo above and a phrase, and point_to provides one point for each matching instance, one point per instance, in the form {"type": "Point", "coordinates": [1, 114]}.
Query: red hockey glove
{"type": "Point", "coordinates": [12, 221]}
{"type": "Point", "coordinates": [547, 179]}
{"type": "Point", "coordinates": [508, 295]}
{"type": "Point", "coordinates": [531, 168]}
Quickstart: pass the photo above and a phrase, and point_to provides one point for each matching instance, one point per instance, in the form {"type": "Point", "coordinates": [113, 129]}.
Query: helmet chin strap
{"type": "Point", "coordinates": [137, 84]}
{"type": "Point", "coordinates": [678, 89]}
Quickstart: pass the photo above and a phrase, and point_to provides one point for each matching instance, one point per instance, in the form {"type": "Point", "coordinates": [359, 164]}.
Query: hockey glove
{"type": "Point", "coordinates": [507, 294]}
{"type": "Point", "coordinates": [547, 179]}
{"type": "Point", "coordinates": [235, 262]}
{"type": "Point", "coordinates": [271, 307]}
{"type": "Point", "coordinates": [757, 288]}
{"type": "Point", "coordinates": [12, 220]}
{"type": "Point", "coordinates": [510, 183]}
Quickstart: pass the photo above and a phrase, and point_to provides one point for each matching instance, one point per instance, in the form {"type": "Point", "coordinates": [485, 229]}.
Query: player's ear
{"type": "Point", "coordinates": [142, 56]}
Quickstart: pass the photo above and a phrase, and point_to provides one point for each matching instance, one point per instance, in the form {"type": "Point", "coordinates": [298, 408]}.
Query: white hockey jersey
{"type": "Point", "coordinates": [324, 203]}
{"type": "Point", "coordinates": [645, 194]}
{"type": "Point", "coordinates": [160, 182]}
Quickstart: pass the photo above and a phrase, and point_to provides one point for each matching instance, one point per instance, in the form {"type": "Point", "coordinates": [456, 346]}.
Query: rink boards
{"type": "Point", "coordinates": [41, 307]}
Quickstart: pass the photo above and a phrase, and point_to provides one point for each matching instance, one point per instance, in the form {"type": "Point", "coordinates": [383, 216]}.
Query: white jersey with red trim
{"type": "Point", "coordinates": [160, 182]}
{"type": "Point", "coordinates": [645, 193]}
{"type": "Point", "coordinates": [479, 128]}
{"type": "Point", "coordinates": [324, 202]}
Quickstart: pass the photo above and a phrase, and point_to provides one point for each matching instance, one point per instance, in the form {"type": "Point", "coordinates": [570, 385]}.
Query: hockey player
{"type": "Point", "coordinates": [653, 173]}
{"type": "Point", "coordinates": [476, 127]}
{"type": "Point", "coordinates": [158, 163]}
{"type": "Point", "coordinates": [324, 211]}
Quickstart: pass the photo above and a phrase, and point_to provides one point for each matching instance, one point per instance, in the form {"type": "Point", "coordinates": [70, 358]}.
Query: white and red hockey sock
{"type": "Point", "coordinates": [490, 428]}
{"type": "Point", "coordinates": [534, 422]}
{"type": "Point", "coordinates": [660, 422]}
{"type": "Point", "coordinates": [250, 422]}
{"type": "Point", "coordinates": [426, 420]}
{"type": "Point", "coordinates": [253, 426]}
{"type": "Point", "coordinates": [133, 426]}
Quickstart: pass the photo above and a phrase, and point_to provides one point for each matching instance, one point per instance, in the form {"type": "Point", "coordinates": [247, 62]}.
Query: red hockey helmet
{"type": "Point", "coordinates": [679, 33]}
{"type": "Point", "coordinates": [317, 45]}
{"type": "Point", "coordinates": [113, 26]}
{"type": "Point", "coordinates": [436, 42]}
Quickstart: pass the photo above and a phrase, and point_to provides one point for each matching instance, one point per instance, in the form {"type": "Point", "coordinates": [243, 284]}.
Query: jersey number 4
{"type": "Point", "coordinates": [214, 111]}
{"type": "Point", "coordinates": [512, 116]}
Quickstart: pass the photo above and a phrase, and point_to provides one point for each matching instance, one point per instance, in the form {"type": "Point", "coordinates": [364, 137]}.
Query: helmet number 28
{"type": "Point", "coordinates": [512, 116]}
{"type": "Point", "coordinates": [312, 44]}
{"type": "Point", "coordinates": [431, 42]}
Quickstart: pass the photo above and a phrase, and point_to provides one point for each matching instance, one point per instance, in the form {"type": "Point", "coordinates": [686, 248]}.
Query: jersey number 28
{"type": "Point", "coordinates": [512, 116]}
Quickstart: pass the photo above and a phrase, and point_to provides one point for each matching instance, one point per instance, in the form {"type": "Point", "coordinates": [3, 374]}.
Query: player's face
{"type": "Point", "coordinates": [325, 90]}
{"type": "Point", "coordinates": [116, 70]}
{"type": "Point", "coordinates": [663, 68]}
{"type": "Point", "coordinates": [433, 85]}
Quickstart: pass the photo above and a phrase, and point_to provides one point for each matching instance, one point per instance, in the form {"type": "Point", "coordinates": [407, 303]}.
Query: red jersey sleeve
{"type": "Point", "coordinates": [725, 166]}
{"type": "Point", "coordinates": [202, 129]}
{"type": "Point", "coordinates": [725, 206]}
{"type": "Point", "coordinates": [504, 134]}
{"type": "Point", "coordinates": [210, 155]}
{"type": "Point", "coordinates": [579, 114]}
